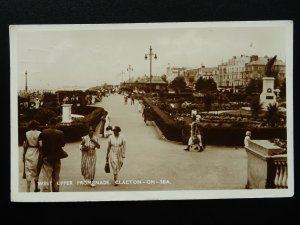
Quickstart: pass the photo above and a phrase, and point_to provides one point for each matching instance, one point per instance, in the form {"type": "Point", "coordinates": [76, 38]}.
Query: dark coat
{"type": "Point", "coordinates": [52, 140]}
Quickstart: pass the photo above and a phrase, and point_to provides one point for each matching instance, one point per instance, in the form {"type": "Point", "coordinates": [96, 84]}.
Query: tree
{"type": "Point", "coordinates": [222, 98]}
{"type": "Point", "coordinates": [276, 81]}
{"type": "Point", "coordinates": [178, 84]}
{"type": "Point", "coordinates": [283, 89]}
{"type": "Point", "coordinates": [191, 79]}
{"type": "Point", "coordinates": [44, 115]}
{"type": "Point", "coordinates": [256, 107]}
{"type": "Point", "coordinates": [206, 85]}
{"type": "Point", "coordinates": [273, 117]}
{"type": "Point", "coordinates": [254, 86]}
{"type": "Point", "coordinates": [208, 100]}
{"type": "Point", "coordinates": [164, 78]}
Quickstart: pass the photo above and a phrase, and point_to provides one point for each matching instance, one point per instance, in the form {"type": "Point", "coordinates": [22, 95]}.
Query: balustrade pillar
{"type": "Point", "coordinates": [267, 167]}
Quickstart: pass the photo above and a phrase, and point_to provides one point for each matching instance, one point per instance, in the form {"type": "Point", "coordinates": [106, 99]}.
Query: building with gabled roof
{"type": "Point", "coordinates": [144, 83]}
{"type": "Point", "coordinates": [256, 68]}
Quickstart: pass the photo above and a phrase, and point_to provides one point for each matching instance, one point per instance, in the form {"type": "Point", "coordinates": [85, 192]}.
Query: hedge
{"type": "Point", "coordinates": [75, 130]}
{"type": "Point", "coordinates": [229, 136]}
{"type": "Point", "coordinates": [166, 124]}
{"type": "Point", "coordinates": [72, 133]}
{"type": "Point", "coordinates": [84, 110]}
{"type": "Point", "coordinates": [29, 114]}
{"type": "Point", "coordinates": [234, 136]}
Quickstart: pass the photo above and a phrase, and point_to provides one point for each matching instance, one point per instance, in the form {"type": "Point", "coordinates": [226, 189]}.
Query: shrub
{"type": "Point", "coordinates": [233, 136]}
{"type": "Point", "coordinates": [273, 117]}
{"type": "Point", "coordinates": [74, 131]}
{"type": "Point", "coordinates": [44, 115]}
{"type": "Point", "coordinates": [84, 110]}
{"type": "Point", "coordinates": [94, 118]}
{"type": "Point", "coordinates": [166, 124]}
{"type": "Point", "coordinates": [256, 107]}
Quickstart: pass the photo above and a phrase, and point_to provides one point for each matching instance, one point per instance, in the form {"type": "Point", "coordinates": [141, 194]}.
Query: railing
{"type": "Point", "coordinates": [267, 165]}
{"type": "Point", "coordinates": [281, 168]}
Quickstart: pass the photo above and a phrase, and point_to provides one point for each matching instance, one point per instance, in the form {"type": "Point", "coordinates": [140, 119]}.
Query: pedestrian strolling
{"type": "Point", "coordinates": [116, 152]}
{"type": "Point", "coordinates": [247, 138]}
{"type": "Point", "coordinates": [31, 155]}
{"type": "Point", "coordinates": [140, 106]}
{"type": "Point", "coordinates": [107, 124]}
{"type": "Point", "coordinates": [88, 147]}
{"type": "Point", "coordinates": [147, 114]}
{"type": "Point", "coordinates": [102, 123]}
{"type": "Point", "coordinates": [132, 99]}
{"type": "Point", "coordinates": [125, 99]}
{"type": "Point", "coordinates": [109, 131]}
{"type": "Point", "coordinates": [52, 142]}
{"type": "Point", "coordinates": [195, 138]}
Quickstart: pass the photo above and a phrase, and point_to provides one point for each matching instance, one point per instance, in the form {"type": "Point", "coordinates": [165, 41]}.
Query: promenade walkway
{"type": "Point", "coordinates": [153, 164]}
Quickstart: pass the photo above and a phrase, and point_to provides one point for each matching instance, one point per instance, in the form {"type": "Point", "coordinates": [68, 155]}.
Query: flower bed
{"type": "Point", "coordinates": [229, 131]}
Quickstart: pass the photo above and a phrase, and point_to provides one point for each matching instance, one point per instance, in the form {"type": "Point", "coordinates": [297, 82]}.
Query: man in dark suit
{"type": "Point", "coordinates": [52, 142]}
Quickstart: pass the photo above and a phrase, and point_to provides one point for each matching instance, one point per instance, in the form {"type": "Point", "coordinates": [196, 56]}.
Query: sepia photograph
{"type": "Point", "coordinates": [151, 111]}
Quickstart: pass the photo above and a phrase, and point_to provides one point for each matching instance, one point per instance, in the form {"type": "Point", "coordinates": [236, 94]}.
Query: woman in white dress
{"type": "Point", "coordinates": [31, 154]}
{"type": "Point", "coordinates": [116, 151]}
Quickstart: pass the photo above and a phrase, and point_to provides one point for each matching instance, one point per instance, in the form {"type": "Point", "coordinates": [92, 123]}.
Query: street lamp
{"type": "Point", "coordinates": [150, 54]}
{"type": "Point", "coordinates": [26, 87]}
{"type": "Point", "coordinates": [129, 69]}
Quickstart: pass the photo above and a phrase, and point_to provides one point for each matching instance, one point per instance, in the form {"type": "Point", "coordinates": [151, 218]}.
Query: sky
{"type": "Point", "coordinates": [59, 56]}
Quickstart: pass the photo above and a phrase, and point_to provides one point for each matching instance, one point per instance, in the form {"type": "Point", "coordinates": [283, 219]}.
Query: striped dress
{"type": "Point", "coordinates": [117, 152]}
{"type": "Point", "coordinates": [88, 159]}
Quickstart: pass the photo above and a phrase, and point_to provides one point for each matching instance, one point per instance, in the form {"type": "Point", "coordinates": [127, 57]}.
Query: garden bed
{"type": "Point", "coordinates": [229, 131]}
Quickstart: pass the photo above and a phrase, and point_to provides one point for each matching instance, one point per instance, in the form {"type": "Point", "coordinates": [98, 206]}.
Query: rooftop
{"type": "Point", "coordinates": [154, 80]}
{"type": "Point", "coordinates": [262, 61]}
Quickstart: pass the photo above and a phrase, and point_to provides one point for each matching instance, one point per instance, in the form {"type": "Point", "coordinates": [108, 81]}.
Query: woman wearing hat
{"type": "Point", "coordinates": [116, 151]}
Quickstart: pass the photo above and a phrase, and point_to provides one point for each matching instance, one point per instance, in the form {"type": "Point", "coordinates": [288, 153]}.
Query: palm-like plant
{"type": "Point", "coordinates": [273, 116]}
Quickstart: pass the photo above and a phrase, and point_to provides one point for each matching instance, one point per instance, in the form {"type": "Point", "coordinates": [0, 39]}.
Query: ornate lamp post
{"type": "Point", "coordinates": [129, 69]}
{"type": "Point", "coordinates": [26, 87]}
{"type": "Point", "coordinates": [150, 54]}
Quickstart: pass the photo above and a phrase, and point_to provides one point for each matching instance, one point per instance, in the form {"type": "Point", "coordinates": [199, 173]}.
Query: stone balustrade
{"type": "Point", "coordinates": [267, 166]}
{"type": "Point", "coordinates": [281, 168]}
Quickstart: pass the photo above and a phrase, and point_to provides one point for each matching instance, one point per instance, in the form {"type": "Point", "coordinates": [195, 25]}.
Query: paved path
{"type": "Point", "coordinates": [154, 164]}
